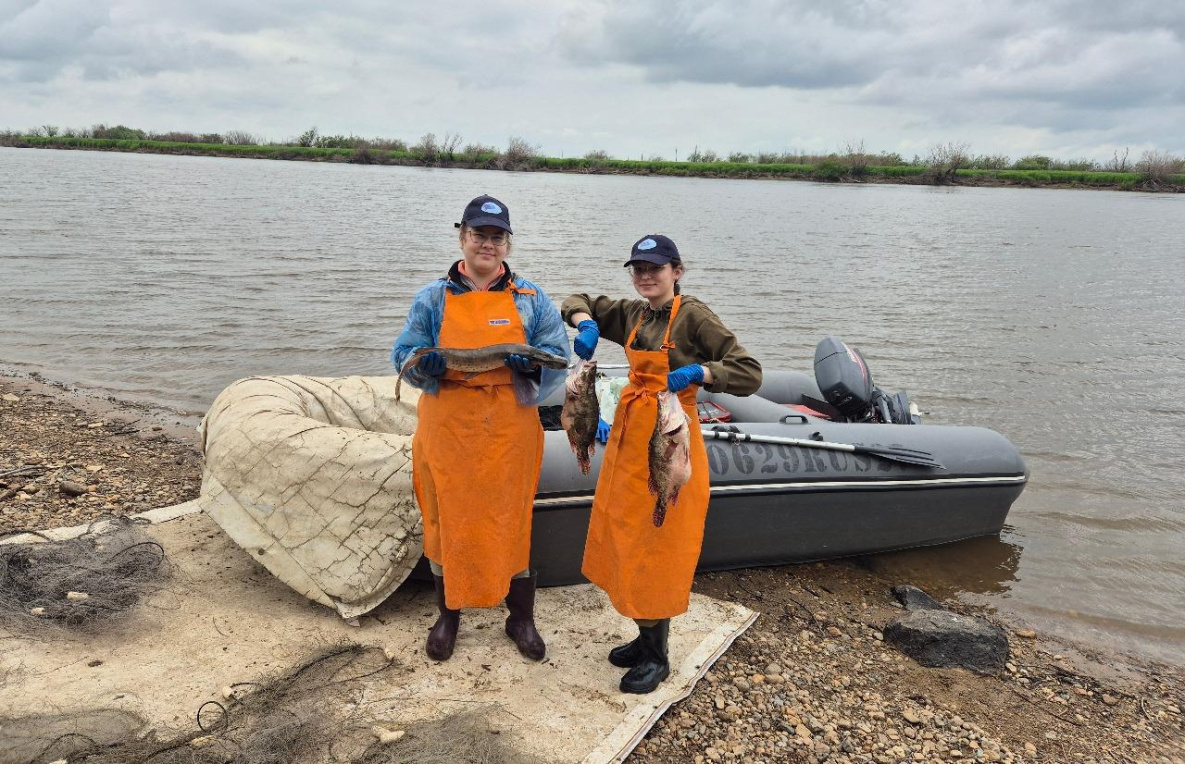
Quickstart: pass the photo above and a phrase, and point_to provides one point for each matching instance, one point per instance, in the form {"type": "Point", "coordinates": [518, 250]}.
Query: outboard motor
{"type": "Point", "coordinates": [894, 409]}
{"type": "Point", "coordinates": [844, 379]}
{"type": "Point", "coordinates": [846, 383]}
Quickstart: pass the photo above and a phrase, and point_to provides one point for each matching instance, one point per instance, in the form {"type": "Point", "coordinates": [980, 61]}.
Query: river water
{"type": "Point", "coordinates": [1053, 316]}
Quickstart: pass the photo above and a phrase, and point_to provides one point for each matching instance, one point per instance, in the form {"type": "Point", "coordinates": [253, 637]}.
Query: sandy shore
{"type": "Point", "coordinates": [812, 680]}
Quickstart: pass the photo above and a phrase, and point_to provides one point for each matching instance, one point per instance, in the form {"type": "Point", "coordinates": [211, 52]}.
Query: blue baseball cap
{"type": "Point", "coordinates": [654, 248]}
{"type": "Point", "coordinates": [486, 210]}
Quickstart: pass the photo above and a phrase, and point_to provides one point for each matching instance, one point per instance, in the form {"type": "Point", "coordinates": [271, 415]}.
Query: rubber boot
{"type": "Point", "coordinates": [443, 637]}
{"type": "Point", "coordinates": [627, 655]}
{"type": "Point", "coordinates": [653, 668]}
{"type": "Point", "coordinates": [520, 625]}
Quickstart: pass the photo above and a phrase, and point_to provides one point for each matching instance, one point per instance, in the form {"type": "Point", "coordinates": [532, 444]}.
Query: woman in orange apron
{"type": "Point", "coordinates": [478, 446]}
{"type": "Point", "coordinates": [673, 343]}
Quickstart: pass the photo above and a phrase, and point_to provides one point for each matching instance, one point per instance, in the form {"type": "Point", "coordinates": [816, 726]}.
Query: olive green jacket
{"type": "Point", "coordinates": [698, 334]}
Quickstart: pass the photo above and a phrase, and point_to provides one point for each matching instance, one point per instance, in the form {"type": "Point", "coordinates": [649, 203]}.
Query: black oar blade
{"type": "Point", "coordinates": [903, 455]}
{"type": "Point", "coordinates": [892, 453]}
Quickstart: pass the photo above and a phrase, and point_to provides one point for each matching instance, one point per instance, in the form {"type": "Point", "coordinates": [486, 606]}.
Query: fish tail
{"type": "Point", "coordinates": [660, 512]}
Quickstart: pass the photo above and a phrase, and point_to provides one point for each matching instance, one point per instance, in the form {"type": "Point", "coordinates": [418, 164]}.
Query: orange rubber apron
{"type": "Point", "coordinates": [646, 571]}
{"type": "Point", "coordinates": [476, 457]}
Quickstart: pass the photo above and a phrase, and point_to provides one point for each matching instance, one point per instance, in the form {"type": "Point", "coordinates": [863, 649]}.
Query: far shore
{"type": "Point", "coordinates": [838, 170]}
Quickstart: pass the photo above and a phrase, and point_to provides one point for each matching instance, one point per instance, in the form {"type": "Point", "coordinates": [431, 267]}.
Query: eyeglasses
{"type": "Point", "coordinates": [643, 271]}
{"type": "Point", "coordinates": [498, 239]}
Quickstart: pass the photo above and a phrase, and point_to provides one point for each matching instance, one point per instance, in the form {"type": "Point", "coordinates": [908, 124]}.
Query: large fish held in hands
{"type": "Point", "coordinates": [486, 358]}
{"type": "Point", "coordinates": [670, 454]}
{"type": "Point", "coordinates": [581, 413]}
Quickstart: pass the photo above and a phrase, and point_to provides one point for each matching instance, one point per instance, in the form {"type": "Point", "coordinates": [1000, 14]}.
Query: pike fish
{"type": "Point", "coordinates": [581, 413]}
{"type": "Point", "coordinates": [486, 358]}
{"type": "Point", "coordinates": [670, 454]}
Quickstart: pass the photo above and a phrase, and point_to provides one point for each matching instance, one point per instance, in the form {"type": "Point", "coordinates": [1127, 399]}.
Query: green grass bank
{"type": "Point", "coordinates": [839, 169]}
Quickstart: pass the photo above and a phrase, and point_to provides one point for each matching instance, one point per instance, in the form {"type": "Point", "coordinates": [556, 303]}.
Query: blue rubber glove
{"type": "Point", "coordinates": [679, 379]}
{"type": "Point", "coordinates": [519, 363]}
{"type": "Point", "coordinates": [603, 431]}
{"type": "Point", "coordinates": [585, 343]}
{"type": "Point", "coordinates": [433, 364]}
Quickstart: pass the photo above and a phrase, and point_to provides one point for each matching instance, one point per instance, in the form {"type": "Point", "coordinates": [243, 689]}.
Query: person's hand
{"type": "Point", "coordinates": [433, 364]}
{"type": "Point", "coordinates": [603, 431]}
{"type": "Point", "coordinates": [680, 378]}
{"type": "Point", "coordinates": [585, 343]}
{"type": "Point", "coordinates": [520, 363]}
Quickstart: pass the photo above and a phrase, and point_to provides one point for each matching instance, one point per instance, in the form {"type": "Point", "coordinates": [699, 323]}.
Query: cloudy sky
{"type": "Point", "coordinates": [1070, 78]}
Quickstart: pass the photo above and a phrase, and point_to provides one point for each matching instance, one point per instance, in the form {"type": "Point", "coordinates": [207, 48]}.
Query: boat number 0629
{"type": "Point", "coordinates": [760, 458]}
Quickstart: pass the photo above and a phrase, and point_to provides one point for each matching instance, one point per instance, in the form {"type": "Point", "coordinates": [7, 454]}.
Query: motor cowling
{"type": "Point", "coordinates": [844, 379]}
{"type": "Point", "coordinates": [846, 383]}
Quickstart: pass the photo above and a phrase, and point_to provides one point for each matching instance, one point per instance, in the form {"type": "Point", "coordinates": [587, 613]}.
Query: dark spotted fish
{"type": "Point", "coordinates": [670, 454]}
{"type": "Point", "coordinates": [581, 412]}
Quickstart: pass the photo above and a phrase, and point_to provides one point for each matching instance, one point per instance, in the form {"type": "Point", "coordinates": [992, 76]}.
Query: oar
{"type": "Point", "coordinates": [892, 453]}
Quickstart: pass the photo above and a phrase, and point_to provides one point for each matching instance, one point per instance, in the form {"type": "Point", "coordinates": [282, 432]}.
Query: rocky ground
{"type": "Point", "coordinates": [814, 681]}
{"type": "Point", "coordinates": [811, 681]}
{"type": "Point", "coordinates": [67, 458]}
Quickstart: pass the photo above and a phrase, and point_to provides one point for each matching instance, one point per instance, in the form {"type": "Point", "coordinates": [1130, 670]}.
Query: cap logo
{"type": "Point", "coordinates": [491, 208]}
{"type": "Point", "coordinates": [647, 244]}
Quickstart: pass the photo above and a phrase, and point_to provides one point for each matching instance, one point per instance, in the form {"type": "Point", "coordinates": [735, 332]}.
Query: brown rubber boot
{"type": "Point", "coordinates": [520, 625]}
{"type": "Point", "coordinates": [443, 637]}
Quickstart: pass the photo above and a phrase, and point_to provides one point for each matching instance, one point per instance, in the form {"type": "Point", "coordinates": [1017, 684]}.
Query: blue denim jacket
{"type": "Point", "coordinates": [541, 322]}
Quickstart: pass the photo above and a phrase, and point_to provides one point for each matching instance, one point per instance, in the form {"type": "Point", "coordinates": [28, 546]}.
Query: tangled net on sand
{"type": "Point", "coordinates": [466, 737]}
{"type": "Point", "coordinates": [313, 713]}
{"type": "Point", "coordinates": [79, 583]}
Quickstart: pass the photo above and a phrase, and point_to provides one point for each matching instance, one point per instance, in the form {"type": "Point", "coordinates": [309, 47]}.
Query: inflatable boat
{"type": "Point", "coordinates": [313, 477]}
{"type": "Point", "coordinates": [789, 497]}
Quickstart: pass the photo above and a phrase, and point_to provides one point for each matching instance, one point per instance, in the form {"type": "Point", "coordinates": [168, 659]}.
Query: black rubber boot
{"type": "Point", "coordinates": [520, 625]}
{"type": "Point", "coordinates": [627, 655]}
{"type": "Point", "coordinates": [653, 668]}
{"type": "Point", "coordinates": [443, 637]}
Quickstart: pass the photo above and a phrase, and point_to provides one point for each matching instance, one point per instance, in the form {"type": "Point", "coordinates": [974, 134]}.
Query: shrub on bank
{"type": "Point", "coordinates": [1158, 171]}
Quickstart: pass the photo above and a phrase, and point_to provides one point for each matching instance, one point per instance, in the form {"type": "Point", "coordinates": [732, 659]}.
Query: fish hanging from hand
{"type": "Point", "coordinates": [670, 454]}
{"type": "Point", "coordinates": [581, 413]}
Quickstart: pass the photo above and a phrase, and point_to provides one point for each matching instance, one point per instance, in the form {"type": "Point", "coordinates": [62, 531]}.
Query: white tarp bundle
{"type": "Point", "coordinates": [312, 477]}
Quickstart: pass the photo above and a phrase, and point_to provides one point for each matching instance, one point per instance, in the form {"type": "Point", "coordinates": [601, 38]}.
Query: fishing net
{"type": "Point", "coordinates": [465, 737]}
{"type": "Point", "coordinates": [313, 477]}
{"type": "Point", "coordinates": [81, 583]}
{"type": "Point", "coordinates": [316, 712]}
{"type": "Point", "coordinates": [51, 737]}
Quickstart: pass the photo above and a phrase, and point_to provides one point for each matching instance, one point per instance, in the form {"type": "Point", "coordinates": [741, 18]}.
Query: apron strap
{"type": "Point", "coordinates": [666, 338]}
{"type": "Point", "coordinates": [519, 290]}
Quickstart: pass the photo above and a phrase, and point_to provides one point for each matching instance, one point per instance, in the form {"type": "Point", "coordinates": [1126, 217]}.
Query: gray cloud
{"type": "Point", "coordinates": [639, 77]}
{"type": "Point", "coordinates": [1074, 53]}
{"type": "Point", "coordinates": [102, 42]}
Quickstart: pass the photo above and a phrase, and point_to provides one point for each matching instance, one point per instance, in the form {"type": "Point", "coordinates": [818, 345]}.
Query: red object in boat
{"type": "Point", "coordinates": [807, 410]}
{"type": "Point", "coordinates": [712, 413]}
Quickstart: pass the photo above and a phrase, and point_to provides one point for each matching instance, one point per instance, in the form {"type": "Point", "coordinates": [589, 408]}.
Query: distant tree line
{"type": "Point", "coordinates": [948, 162]}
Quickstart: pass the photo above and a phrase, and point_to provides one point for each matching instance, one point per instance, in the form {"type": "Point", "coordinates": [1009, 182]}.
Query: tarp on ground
{"type": "Point", "coordinates": [221, 620]}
